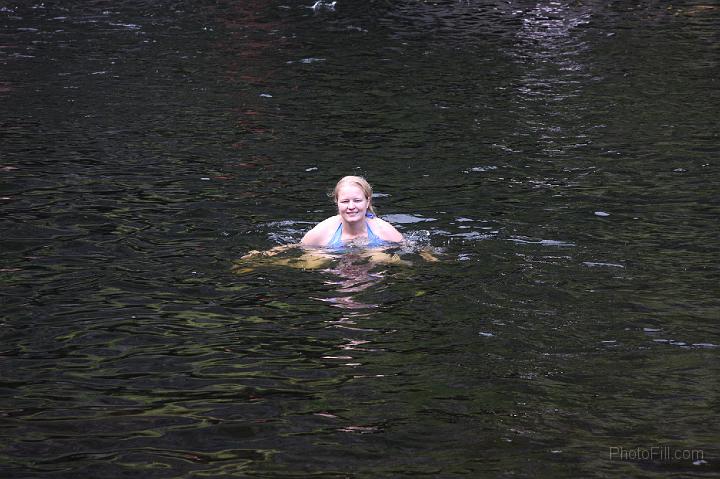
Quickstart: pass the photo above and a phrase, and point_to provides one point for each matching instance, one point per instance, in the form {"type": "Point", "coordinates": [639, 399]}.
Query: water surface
{"type": "Point", "coordinates": [559, 157]}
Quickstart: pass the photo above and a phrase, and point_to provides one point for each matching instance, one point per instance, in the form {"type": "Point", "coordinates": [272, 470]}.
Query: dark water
{"type": "Point", "coordinates": [561, 159]}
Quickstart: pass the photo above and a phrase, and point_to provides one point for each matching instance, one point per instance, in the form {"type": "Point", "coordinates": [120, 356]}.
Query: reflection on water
{"type": "Point", "coordinates": [557, 157]}
{"type": "Point", "coordinates": [552, 50]}
{"type": "Point", "coordinates": [353, 273]}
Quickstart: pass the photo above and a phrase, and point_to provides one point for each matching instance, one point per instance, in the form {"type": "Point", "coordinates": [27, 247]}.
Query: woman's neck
{"type": "Point", "coordinates": [354, 229]}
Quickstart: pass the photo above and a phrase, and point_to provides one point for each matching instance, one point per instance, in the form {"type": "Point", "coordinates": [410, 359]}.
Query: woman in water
{"type": "Point", "coordinates": [355, 223]}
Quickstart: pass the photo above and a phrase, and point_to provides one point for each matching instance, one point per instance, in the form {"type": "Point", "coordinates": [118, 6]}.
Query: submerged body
{"type": "Point", "coordinates": [317, 258]}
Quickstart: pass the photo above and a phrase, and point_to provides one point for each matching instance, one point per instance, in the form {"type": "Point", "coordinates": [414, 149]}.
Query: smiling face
{"type": "Point", "coordinates": [352, 203]}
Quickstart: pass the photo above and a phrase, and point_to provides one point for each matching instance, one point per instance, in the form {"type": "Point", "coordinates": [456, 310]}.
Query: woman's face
{"type": "Point", "coordinates": [352, 203]}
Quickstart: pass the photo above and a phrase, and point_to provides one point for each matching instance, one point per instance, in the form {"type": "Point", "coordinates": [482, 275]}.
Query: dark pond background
{"type": "Point", "coordinates": [560, 158]}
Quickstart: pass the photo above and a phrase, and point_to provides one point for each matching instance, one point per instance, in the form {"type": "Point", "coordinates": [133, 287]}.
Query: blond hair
{"type": "Point", "coordinates": [361, 183]}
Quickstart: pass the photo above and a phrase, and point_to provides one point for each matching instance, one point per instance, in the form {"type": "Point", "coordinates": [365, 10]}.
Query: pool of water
{"type": "Point", "coordinates": [558, 158]}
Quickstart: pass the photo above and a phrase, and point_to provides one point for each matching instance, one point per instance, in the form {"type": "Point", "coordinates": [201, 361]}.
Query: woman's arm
{"type": "Point", "coordinates": [271, 252]}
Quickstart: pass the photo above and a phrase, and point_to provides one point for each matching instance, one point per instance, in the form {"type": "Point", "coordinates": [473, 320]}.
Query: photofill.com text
{"type": "Point", "coordinates": [656, 453]}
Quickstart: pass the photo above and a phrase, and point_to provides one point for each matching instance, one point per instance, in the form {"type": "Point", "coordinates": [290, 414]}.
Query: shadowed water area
{"type": "Point", "coordinates": [560, 159]}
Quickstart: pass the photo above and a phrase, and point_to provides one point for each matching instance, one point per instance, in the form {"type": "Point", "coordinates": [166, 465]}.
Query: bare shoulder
{"type": "Point", "coordinates": [321, 233]}
{"type": "Point", "coordinates": [385, 230]}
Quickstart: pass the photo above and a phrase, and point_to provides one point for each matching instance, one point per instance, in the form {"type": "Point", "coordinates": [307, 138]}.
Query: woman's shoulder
{"type": "Point", "coordinates": [321, 233]}
{"type": "Point", "coordinates": [385, 230]}
{"type": "Point", "coordinates": [329, 223]}
{"type": "Point", "coordinates": [333, 220]}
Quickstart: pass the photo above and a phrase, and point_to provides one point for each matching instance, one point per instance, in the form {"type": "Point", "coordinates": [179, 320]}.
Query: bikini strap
{"type": "Point", "coordinates": [336, 240]}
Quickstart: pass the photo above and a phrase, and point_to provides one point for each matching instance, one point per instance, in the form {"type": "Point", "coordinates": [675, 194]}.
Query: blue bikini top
{"type": "Point", "coordinates": [373, 240]}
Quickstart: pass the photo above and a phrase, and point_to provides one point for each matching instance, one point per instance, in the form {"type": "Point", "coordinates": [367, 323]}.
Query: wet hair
{"type": "Point", "coordinates": [361, 183]}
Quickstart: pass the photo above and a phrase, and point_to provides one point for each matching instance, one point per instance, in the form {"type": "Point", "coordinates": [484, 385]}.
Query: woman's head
{"type": "Point", "coordinates": [357, 182]}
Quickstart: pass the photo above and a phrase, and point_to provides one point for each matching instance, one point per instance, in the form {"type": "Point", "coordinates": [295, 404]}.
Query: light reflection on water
{"type": "Point", "coordinates": [558, 158]}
